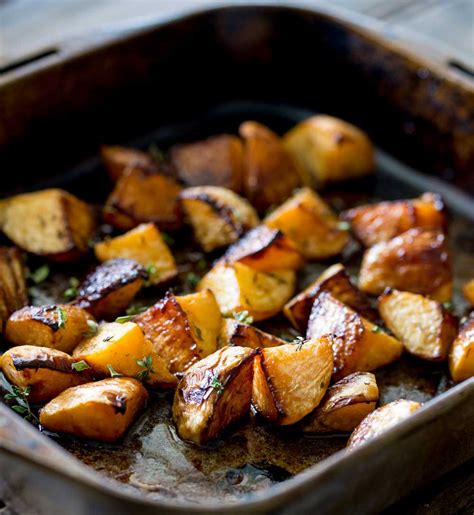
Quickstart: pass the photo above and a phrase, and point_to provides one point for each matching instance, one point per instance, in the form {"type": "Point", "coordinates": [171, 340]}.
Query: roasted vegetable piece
{"type": "Point", "coordinates": [119, 160]}
{"type": "Point", "coordinates": [336, 281]}
{"type": "Point", "coordinates": [345, 405]}
{"type": "Point", "coordinates": [214, 394]}
{"type": "Point", "coordinates": [265, 250]}
{"type": "Point", "coordinates": [358, 344]}
{"type": "Point", "coordinates": [380, 420]}
{"type": "Point", "coordinates": [46, 371]}
{"type": "Point", "coordinates": [123, 349]}
{"type": "Point", "coordinates": [270, 175]}
{"type": "Point", "coordinates": [13, 294]}
{"type": "Point", "coordinates": [141, 196]}
{"type": "Point", "coordinates": [110, 288]}
{"type": "Point", "coordinates": [218, 215]}
{"type": "Point", "coordinates": [145, 245]}
{"type": "Point", "coordinates": [290, 380]}
{"type": "Point", "coordinates": [416, 261]}
{"type": "Point", "coordinates": [50, 223]}
{"type": "Point", "coordinates": [310, 223]}
{"type": "Point", "coordinates": [424, 326]}
{"type": "Point", "coordinates": [216, 161]}
{"type": "Point", "coordinates": [468, 291]}
{"type": "Point", "coordinates": [240, 288]}
{"type": "Point", "coordinates": [59, 326]}
{"type": "Point", "coordinates": [461, 356]}
{"type": "Point", "coordinates": [238, 333]}
{"type": "Point", "coordinates": [98, 411]}
{"type": "Point", "coordinates": [182, 329]}
{"type": "Point", "coordinates": [327, 149]}
{"type": "Point", "coordinates": [383, 221]}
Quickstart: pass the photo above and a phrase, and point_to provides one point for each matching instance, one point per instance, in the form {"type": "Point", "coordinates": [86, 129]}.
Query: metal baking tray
{"type": "Point", "coordinates": [203, 73]}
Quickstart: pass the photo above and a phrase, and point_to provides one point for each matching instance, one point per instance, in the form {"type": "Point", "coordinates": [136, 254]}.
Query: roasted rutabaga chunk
{"type": "Point", "coordinates": [218, 215]}
{"type": "Point", "coordinates": [461, 356]}
{"type": "Point", "coordinates": [424, 326]}
{"type": "Point", "coordinates": [98, 411]}
{"type": "Point", "coordinates": [335, 281]}
{"type": "Point", "coordinates": [241, 334]}
{"type": "Point", "coordinates": [50, 223]}
{"type": "Point", "coordinates": [214, 394]}
{"type": "Point", "coordinates": [109, 289]}
{"type": "Point", "coordinates": [182, 329]}
{"type": "Point", "coordinates": [270, 175]}
{"type": "Point", "coordinates": [345, 405]}
{"type": "Point", "coordinates": [266, 250]}
{"type": "Point", "coordinates": [374, 223]}
{"type": "Point", "coordinates": [59, 326]}
{"type": "Point", "coordinates": [290, 380]}
{"type": "Point", "coordinates": [13, 294]}
{"type": "Point", "coordinates": [468, 291]}
{"type": "Point", "coordinates": [311, 224]}
{"type": "Point", "coordinates": [119, 160]}
{"type": "Point", "coordinates": [416, 261]}
{"type": "Point", "coordinates": [358, 344]}
{"type": "Point", "coordinates": [122, 349]}
{"type": "Point", "coordinates": [47, 372]}
{"type": "Point", "coordinates": [142, 196]}
{"type": "Point", "coordinates": [145, 245]}
{"type": "Point", "coordinates": [238, 287]}
{"type": "Point", "coordinates": [216, 161]}
{"type": "Point", "coordinates": [328, 149]}
{"type": "Point", "coordinates": [380, 420]}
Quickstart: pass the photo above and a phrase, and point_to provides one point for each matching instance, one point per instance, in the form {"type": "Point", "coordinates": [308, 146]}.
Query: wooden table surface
{"type": "Point", "coordinates": [28, 27]}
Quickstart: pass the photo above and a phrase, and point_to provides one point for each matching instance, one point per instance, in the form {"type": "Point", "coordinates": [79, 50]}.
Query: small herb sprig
{"type": "Point", "coordinates": [146, 363]}
{"type": "Point", "coordinates": [62, 317]}
{"type": "Point", "coordinates": [39, 275]}
{"type": "Point", "coordinates": [79, 366]}
{"type": "Point", "coordinates": [217, 385]}
{"type": "Point", "coordinates": [19, 395]}
{"type": "Point", "coordinates": [243, 316]}
{"type": "Point", "coordinates": [124, 318]}
{"type": "Point", "coordinates": [112, 371]}
{"type": "Point", "coordinates": [72, 291]}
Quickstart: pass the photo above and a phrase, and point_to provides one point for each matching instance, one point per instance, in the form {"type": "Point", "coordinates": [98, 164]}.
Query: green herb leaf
{"type": "Point", "coordinates": [169, 240]}
{"type": "Point", "coordinates": [93, 329]}
{"type": "Point", "coordinates": [20, 395]}
{"type": "Point", "coordinates": [217, 385]}
{"type": "Point", "coordinates": [146, 363]}
{"type": "Point", "coordinates": [72, 292]}
{"type": "Point", "coordinates": [62, 317]}
{"type": "Point", "coordinates": [79, 366]}
{"type": "Point", "coordinates": [124, 318]}
{"type": "Point", "coordinates": [192, 280]}
{"type": "Point", "coordinates": [112, 372]}
{"type": "Point", "coordinates": [243, 316]}
{"type": "Point", "coordinates": [376, 329]}
{"type": "Point", "coordinates": [136, 309]}
{"type": "Point", "coordinates": [39, 275]}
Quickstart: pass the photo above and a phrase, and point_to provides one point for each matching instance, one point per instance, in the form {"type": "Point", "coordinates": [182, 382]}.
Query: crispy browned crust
{"type": "Point", "coordinates": [331, 317]}
{"type": "Point", "coordinates": [224, 406]}
{"type": "Point", "coordinates": [335, 281]}
{"type": "Point", "coordinates": [166, 325]}
{"type": "Point", "coordinates": [134, 200]}
{"type": "Point", "coordinates": [119, 160]}
{"type": "Point", "coordinates": [266, 250]}
{"type": "Point", "coordinates": [417, 261]}
{"type": "Point", "coordinates": [244, 335]}
{"type": "Point", "coordinates": [107, 280]}
{"type": "Point", "coordinates": [13, 294]}
{"type": "Point", "coordinates": [40, 357]}
{"type": "Point", "coordinates": [216, 161]}
{"type": "Point", "coordinates": [374, 223]}
{"type": "Point", "coordinates": [270, 174]}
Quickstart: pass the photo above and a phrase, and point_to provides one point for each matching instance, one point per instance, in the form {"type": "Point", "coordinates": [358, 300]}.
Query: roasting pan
{"type": "Point", "coordinates": [202, 73]}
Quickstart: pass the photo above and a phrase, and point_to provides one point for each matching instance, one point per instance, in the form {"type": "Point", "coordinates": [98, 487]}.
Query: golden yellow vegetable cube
{"type": "Point", "coordinates": [461, 356]}
{"type": "Point", "coordinates": [98, 411]}
{"type": "Point", "coordinates": [145, 245]}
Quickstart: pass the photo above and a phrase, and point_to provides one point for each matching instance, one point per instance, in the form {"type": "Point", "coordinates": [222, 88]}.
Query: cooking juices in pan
{"type": "Point", "coordinates": [253, 455]}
